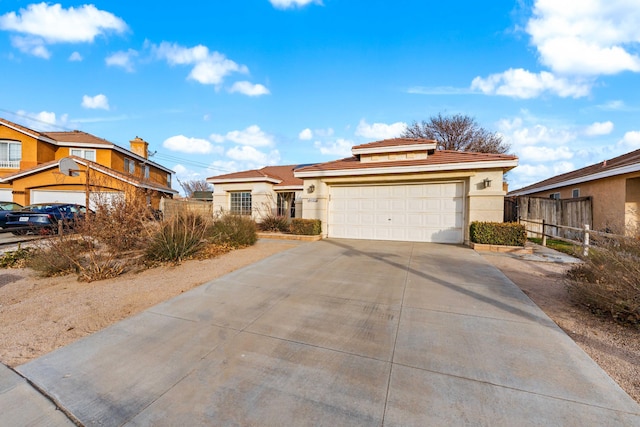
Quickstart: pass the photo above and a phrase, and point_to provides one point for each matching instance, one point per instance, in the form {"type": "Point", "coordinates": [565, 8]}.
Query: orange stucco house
{"type": "Point", "coordinates": [29, 168]}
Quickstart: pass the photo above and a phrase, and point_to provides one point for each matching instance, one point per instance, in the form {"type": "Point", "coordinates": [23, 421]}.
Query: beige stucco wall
{"type": "Point", "coordinates": [609, 200]}
{"type": "Point", "coordinates": [632, 206]}
{"type": "Point", "coordinates": [481, 204]}
{"type": "Point", "coordinates": [263, 198]}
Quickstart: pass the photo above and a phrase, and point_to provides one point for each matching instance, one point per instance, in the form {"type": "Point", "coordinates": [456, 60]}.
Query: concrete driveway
{"type": "Point", "coordinates": [338, 332]}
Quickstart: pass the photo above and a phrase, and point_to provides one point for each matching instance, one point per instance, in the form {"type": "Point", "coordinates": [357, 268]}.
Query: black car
{"type": "Point", "coordinates": [43, 218]}
{"type": "Point", "coordinates": [5, 209]}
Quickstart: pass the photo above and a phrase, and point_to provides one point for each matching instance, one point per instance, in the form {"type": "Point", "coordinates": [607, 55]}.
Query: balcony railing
{"type": "Point", "coordinates": [9, 164]}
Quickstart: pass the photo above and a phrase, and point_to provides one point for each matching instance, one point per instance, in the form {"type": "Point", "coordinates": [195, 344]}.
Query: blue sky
{"type": "Point", "coordinates": [221, 86]}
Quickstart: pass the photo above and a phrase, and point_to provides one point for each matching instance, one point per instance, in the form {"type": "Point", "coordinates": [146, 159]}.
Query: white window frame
{"type": "Point", "coordinates": [129, 166]}
{"type": "Point", "coordinates": [554, 196]}
{"type": "Point", "coordinates": [80, 152]}
{"type": "Point", "coordinates": [146, 172]}
{"type": "Point", "coordinates": [240, 202]}
{"type": "Point", "coordinates": [575, 193]}
{"type": "Point", "coordinates": [9, 163]}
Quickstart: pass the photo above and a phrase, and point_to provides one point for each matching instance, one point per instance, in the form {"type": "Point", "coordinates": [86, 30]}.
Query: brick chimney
{"type": "Point", "coordinates": [140, 147]}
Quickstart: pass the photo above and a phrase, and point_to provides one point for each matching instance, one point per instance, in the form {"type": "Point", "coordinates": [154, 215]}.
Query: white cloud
{"type": "Point", "coordinates": [252, 136]}
{"type": "Point", "coordinates": [43, 121]}
{"type": "Point", "coordinates": [122, 59]}
{"type": "Point", "coordinates": [188, 145]}
{"type": "Point", "coordinates": [305, 134]}
{"type": "Point", "coordinates": [287, 4]}
{"type": "Point", "coordinates": [520, 83]}
{"type": "Point", "coordinates": [44, 23]}
{"type": "Point", "coordinates": [380, 130]}
{"type": "Point", "coordinates": [599, 128]}
{"type": "Point", "coordinates": [208, 67]}
{"type": "Point", "coordinates": [75, 57]}
{"type": "Point", "coordinates": [249, 89]}
{"type": "Point", "coordinates": [340, 147]}
{"type": "Point", "coordinates": [31, 46]}
{"type": "Point", "coordinates": [544, 154]}
{"type": "Point", "coordinates": [630, 141]}
{"type": "Point", "coordinates": [99, 101]}
{"type": "Point", "coordinates": [586, 37]}
{"type": "Point", "coordinates": [517, 134]}
{"type": "Point", "coordinates": [252, 157]}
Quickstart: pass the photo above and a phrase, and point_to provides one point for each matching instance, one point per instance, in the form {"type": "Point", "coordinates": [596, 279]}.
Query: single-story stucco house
{"type": "Point", "coordinates": [396, 189]}
{"type": "Point", "coordinates": [614, 188]}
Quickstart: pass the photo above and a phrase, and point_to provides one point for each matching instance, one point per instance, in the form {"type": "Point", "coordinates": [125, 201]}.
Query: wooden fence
{"type": "Point", "coordinates": [563, 216]}
{"type": "Point", "coordinates": [170, 207]}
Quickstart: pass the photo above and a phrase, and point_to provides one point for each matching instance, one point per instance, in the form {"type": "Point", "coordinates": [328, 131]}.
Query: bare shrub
{"type": "Point", "coordinates": [178, 238]}
{"type": "Point", "coordinates": [608, 282]}
{"type": "Point", "coordinates": [120, 222]}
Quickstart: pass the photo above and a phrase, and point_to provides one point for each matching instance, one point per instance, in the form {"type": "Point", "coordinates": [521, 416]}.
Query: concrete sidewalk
{"type": "Point", "coordinates": [338, 332]}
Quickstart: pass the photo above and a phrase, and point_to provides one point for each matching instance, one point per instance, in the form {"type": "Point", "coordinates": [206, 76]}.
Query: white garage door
{"type": "Point", "coordinates": [6, 195]}
{"type": "Point", "coordinates": [77, 197]}
{"type": "Point", "coordinates": [413, 212]}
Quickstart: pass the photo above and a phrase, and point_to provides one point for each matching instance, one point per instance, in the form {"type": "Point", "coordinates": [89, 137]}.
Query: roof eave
{"type": "Point", "coordinates": [579, 180]}
{"type": "Point", "coordinates": [243, 180]}
{"type": "Point", "coordinates": [496, 164]}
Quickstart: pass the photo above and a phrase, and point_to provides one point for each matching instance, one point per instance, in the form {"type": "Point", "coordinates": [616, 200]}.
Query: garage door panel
{"type": "Point", "coordinates": [431, 212]}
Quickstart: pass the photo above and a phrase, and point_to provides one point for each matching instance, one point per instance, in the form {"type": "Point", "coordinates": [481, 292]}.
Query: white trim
{"type": "Point", "coordinates": [241, 180]}
{"type": "Point", "coordinates": [288, 187]}
{"type": "Point", "coordinates": [35, 136]}
{"type": "Point", "coordinates": [497, 164]}
{"type": "Point", "coordinates": [394, 148]}
{"type": "Point", "coordinates": [599, 175]}
{"type": "Point", "coordinates": [100, 169]}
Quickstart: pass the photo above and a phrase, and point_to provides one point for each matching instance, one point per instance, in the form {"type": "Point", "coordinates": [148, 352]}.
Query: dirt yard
{"type": "Point", "coordinates": [614, 347]}
{"type": "Point", "coordinates": [39, 315]}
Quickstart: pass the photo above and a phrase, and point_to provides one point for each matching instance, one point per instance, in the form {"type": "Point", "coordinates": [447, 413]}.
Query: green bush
{"type": "Point", "coordinates": [498, 233]}
{"type": "Point", "coordinates": [177, 238]}
{"type": "Point", "coordinates": [608, 281]}
{"type": "Point", "coordinates": [274, 223]}
{"type": "Point", "coordinates": [233, 230]}
{"type": "Point", "coordinates": [308, 227]}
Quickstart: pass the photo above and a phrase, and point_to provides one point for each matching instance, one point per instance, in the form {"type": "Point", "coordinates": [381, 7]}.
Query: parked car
{"type": "Point", "coordinates": [42, 218]}
{"type": "Point", "coordinates": [5, 209]}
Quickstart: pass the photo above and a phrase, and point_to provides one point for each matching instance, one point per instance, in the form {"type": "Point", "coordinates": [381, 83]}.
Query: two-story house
{"type": "Point", "coordinates": [29, 168]}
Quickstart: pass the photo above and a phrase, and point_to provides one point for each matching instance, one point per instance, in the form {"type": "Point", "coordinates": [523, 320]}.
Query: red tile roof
{"type": "Point", "coordinates": [284, 174]}
{"type": "Point", "coordinates": [588, 173]}
{"type": "Point", "coordinates": [77, 136]}
{"type": "Point", "coordinates": [439, 157]}
{"type": "Point", "coordinates": [395, 142]}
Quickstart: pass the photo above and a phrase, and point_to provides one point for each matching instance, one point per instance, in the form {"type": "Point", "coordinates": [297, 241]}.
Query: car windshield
{"type": "Point", "coordinates": [9, 206]}
{"type": "Point", "coordinates": [39, 208]}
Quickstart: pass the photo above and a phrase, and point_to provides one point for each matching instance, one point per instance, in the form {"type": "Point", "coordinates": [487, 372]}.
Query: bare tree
{"type": "Point", "coordinates": [194, 185]}
{"type": "Point", "coordinates": [458, 133]}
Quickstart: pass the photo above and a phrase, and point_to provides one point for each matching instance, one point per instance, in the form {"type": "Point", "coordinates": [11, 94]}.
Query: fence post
{"type": "Point", "coordinates": [60, 229]}
{"type": "Point", "coordinates": [544, 235]}
{"type": "Point", "coordinates": [585, 246]}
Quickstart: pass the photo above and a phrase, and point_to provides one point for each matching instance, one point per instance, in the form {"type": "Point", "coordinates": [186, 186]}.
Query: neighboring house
{"type": "Point", "coordinates": [613, 185]}
{"type": "Point", "coordinates": [396, 189]}
{"type": "Point", "coordinates": [272, 190]}
{"type": "Point", "coordinates": [29, 171]}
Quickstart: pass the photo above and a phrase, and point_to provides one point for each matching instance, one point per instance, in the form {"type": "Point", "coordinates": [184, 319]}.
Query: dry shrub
{"type": "Point", "coordinates": [608, 282]}
{"type": "Point", "coordinates": [274, 223]}
{"type": "Point", "coordinates": [178, 238]}
{"type": "Point", "coordinates": [233, 230]}
{"type": "Point", "coordinates": [120, 223]}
